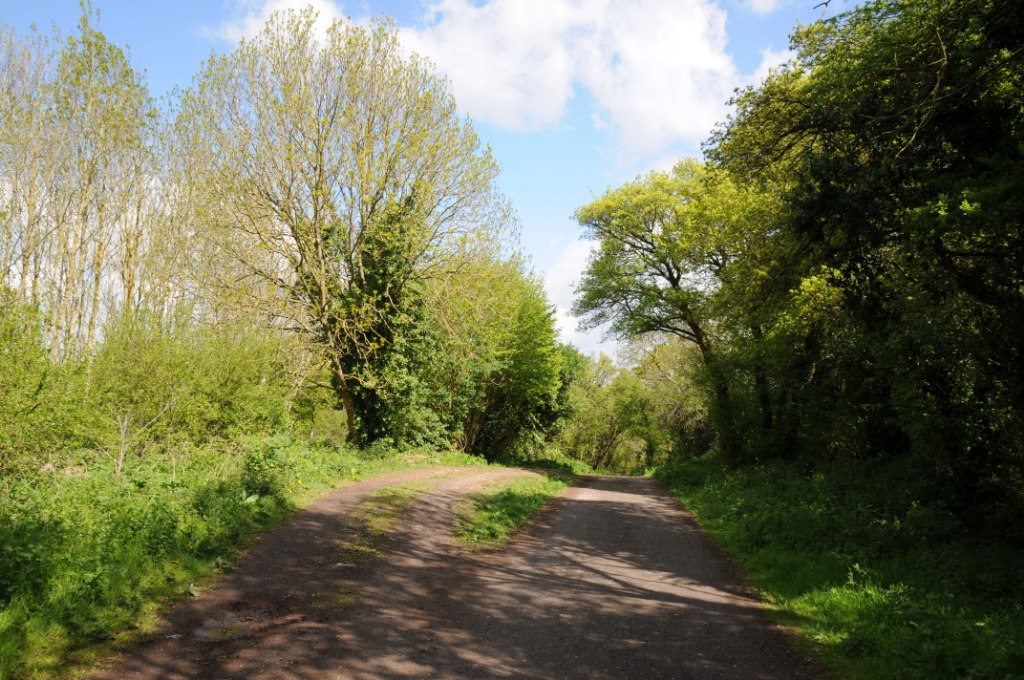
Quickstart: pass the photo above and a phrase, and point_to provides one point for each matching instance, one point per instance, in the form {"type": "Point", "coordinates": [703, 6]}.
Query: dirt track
{"type": "Point", "coordinates": [614, 581]}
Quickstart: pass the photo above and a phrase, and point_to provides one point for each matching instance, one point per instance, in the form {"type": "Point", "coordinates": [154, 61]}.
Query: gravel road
{"type": "Point", "coordinates": [614, 580]}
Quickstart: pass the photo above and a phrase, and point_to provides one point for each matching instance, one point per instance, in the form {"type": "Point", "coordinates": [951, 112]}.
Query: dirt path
{"type": "Point", "coordinates": [614, 581]}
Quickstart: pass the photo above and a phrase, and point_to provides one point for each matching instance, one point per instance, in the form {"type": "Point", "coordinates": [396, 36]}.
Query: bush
{"type": "Point", "coordinates": [194, 382]}
{"type": "Point", "coordinates": [40, 402]}
{"type": "Point", "coordinates": [264, 468]}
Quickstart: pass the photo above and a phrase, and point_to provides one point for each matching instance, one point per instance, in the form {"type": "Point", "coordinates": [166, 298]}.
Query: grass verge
{"type": "Point", "coordinates": [87, 559]}
{"type": "Point", "coordinates": [551, 460]}
{"type": "Point", "coordinates": [489, 518]}
{"type": "Point", "coordinates": [859, 558]}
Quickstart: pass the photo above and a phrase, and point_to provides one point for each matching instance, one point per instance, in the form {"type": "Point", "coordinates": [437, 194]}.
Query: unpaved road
{"type": "Point", "coordinates": [614, 581]}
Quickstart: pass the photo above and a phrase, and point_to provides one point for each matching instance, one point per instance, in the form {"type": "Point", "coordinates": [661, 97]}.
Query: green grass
{"type": "Point", "coordinates": [87, 560]}
{"type": "Point", "coordinates": [868, 564]}
{"type": "Point", "coordinates": [489, 518]}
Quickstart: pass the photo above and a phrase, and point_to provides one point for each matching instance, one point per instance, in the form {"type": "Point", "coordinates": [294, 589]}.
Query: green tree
{"type": "Point", "coordinates": [613, 424]}
{"type": "Point", "coordinates": [336, 172]}
{"type": "Point", "coordinates": [77, 163]}
{"type": "Point", "coordinates": [896, 137]}
{"type": "Point", "coordinates": [665, 244]}
{"type": "Point", "coordinates": [499, 369]}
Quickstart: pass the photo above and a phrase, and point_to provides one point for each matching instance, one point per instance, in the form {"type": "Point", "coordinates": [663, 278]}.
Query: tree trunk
{"type": "Point", "coordinates": [761, 382]}
{"type": "Point", "coordinates": [339, 380]}
{"type": "Point", "coordinates": [722, 409]}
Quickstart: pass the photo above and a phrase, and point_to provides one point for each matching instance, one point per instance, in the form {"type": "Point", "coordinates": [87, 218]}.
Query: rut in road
{"type": "Point", "coordinates": [614, 581]}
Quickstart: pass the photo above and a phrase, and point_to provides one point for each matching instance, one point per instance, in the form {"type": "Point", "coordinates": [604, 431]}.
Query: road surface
{"type": "Point", "coordinates": [614, 580]}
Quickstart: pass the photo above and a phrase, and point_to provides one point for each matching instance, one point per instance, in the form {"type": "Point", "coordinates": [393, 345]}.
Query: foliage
{"type": "Point", "coordinates": [519, 398]}
{"type": "Point", "coordinates": [322, 188]}
{"type": "Point", "coordinates": [864, 329]}
{"type": "Point", "coordinates": [895, 140]}
{"type": "Point", "coordinates": [550, 459]}
{"type": "Point", "coordinates": [868, 561]}
{"type": "Point", "coordinates": [609, 419]}
{"type": "Point", "coordinates": [34, 393]}
{"type": "Point", "coordinates": [850, 261]}
{"type": "Point", "coordinates": [496, 373]}
{"type": "Point", "coordinates": [85, 555]}
{"type": "Point", "coordinates": [667, 243]}
{"type": "Point", "coordinates": [629, 419]}
{"type": "Point", "coordinates": [174, 378]}
{"type": "Point", "coordinates": [149, 386]}
{"type": "Point", "coordinates": [77, 166]}
{"type": "Point", "coordinates": [343, 179]}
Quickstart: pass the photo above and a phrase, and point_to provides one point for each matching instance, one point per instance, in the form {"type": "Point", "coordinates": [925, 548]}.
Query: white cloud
{"type": "Point", "coordinates": [509, 62]}
{"type": "Point", "coordinates": [561, 277]}
{"type": "Point", "coordinates": [249, 16]}
{"type": "Point", "coordinates": [763, 6]}
{"type": "Point", "coordinates": [656, 70]}
{"type": "Point", "coordinates": [770, 59]}
{"type": "Point", "coordinates": [560, 280]}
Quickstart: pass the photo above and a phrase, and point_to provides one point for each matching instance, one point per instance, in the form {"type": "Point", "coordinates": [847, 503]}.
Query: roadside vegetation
{"type": "Point", "coordinates": [491, 517]}
{"type": "Point", "coordinates": [887, 585]}
{"type": "Point", "coordinates": [194, 344]}
{"type": "Point", "coordinates": [298, 271]}
{"type": "Point", "coordinates": [88, 556]}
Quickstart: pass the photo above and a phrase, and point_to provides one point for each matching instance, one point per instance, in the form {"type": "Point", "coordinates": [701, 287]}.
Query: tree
{"type": "Point", "coordinates": [519, 397]}
{"type": "Point", "coordinates": [665, 244]}
{"type": "Point", "coordinates": [897, 131]}
{"type": "Point", "coordinates": [77, 168]}
{"type": "Point", "coordinates": [615, 422]}
{"type": "Point", "coordinates": [497, 369]}
{"type": "Point", "coordinates": [337, 175]}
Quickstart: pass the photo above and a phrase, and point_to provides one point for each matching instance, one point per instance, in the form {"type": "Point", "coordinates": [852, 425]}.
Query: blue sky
{"type": "Point", "coordinates": [574, 96]}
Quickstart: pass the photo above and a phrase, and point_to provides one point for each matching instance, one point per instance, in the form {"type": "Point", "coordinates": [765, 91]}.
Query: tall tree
{"type": "Point", "coordinates": [898, 130]}
{"type": "Point", "coordinates": [337, 173]}
{"type": "Point", "coordinates": [664, 245]}
{"type": "Point", "coordinates": [77, 169]}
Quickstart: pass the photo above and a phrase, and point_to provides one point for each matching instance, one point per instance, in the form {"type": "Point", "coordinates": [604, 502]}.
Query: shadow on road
{"type": "Point", "coordinates": [615, 581]}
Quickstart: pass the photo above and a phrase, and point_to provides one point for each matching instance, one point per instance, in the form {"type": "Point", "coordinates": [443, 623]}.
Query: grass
{"type": "Point", "coordinates": [488, 519]}
{"type": "Point", "coordinates": [88, 560]}
{"type": "Point", "coordinates": [868, 565]}
{"type": "Point", "coordinates": [374, 520]}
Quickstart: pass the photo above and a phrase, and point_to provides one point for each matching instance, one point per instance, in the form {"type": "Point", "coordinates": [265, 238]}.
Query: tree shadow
{"type": "Point", "coordinates": [616, 581]}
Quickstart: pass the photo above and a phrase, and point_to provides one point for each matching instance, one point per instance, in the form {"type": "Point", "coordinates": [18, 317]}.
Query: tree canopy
{"type": "Point", "coordinates": [852, 254]}
{"type": "Point", "coordinates": [336, 171]}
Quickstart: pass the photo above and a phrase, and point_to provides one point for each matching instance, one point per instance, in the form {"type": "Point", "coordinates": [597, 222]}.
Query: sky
{"type": "Point", "coordinates": [573, 96]}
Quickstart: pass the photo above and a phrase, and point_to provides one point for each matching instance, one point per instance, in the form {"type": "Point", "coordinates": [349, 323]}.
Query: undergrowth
{"type": "Point", "coordinates": [490, 517]}
{"type": "Point", "coordinates": [550, 459]}
{"type": "Point", "coordinates": [86, 557]}
{"type": "Point", "coordinates": [868, 564]}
